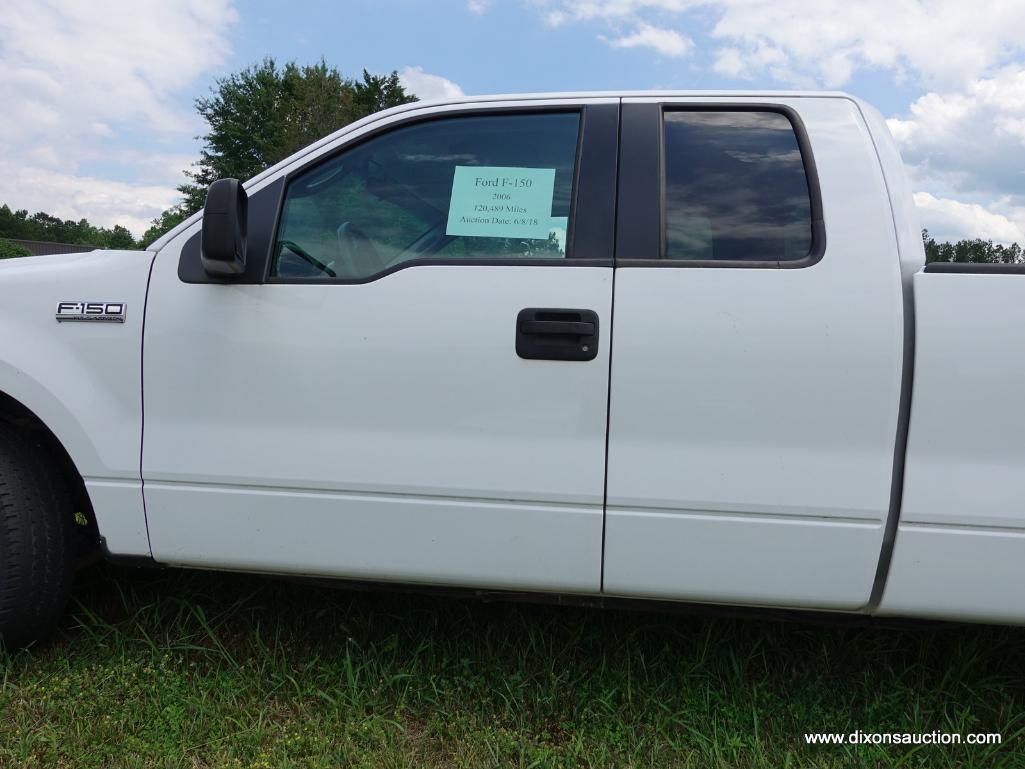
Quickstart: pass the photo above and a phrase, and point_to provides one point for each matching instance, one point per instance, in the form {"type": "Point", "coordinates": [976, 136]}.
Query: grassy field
{"type": "Point", "coordinates": [179, 669]}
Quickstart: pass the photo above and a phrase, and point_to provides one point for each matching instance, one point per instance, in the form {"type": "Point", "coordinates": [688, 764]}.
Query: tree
{"type": "Point", "coordinates": [377, 92]}
{"type": "Point", "coordinates": [120, 238]}
{"type": "Point", "coordinates": [264, 113]}
{"type": "Point", "coordinates": [47, 227]}
{"type": "Point", "coordinates": [168, 220]}
{"type": "Point", "coordinates": [9, 250]}
{"type": "Point", "coordinates": [975, 250]}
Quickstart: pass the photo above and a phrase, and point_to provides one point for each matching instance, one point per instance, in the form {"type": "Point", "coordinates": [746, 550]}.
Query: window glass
{"type": "Point", "coordinates": [477, 187]}
{"type": "Point", "coordinates": [735, 188]}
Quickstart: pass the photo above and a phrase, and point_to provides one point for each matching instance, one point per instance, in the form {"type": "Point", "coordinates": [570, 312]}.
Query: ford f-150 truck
{"type": "Point", "coordinates": [667, 346]}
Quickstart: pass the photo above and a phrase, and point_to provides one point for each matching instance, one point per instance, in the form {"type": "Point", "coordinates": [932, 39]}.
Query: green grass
{"type": "Point", "coordinates": [179, 669]}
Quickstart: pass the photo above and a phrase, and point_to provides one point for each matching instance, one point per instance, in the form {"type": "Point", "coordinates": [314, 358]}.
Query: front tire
{"type": "Point", "coordinates": [37, 540]}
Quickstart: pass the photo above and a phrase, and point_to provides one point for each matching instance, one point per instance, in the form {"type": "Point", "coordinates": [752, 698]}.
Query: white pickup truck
{"type": "Point", "coordinates": [665, 346]}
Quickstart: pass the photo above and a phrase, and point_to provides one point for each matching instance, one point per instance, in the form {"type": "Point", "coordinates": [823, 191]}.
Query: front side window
{"type": "Point", "coordinates": [735, 188]}
{"type": "Point", "coordinates": [491, 187]}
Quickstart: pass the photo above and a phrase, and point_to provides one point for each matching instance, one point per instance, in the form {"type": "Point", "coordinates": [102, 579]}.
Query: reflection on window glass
{"type": "Point", "coordinates": [479, 187]}
{"type": "Point", "coordinates": [735, 187]}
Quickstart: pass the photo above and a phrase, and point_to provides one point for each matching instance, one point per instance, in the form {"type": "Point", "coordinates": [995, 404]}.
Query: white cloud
{"type": "Point", "coordinates": [830, 39]}
{"type": "Point", "coordinates": [939, 42]}
{"type": "Point", "coordinates": [101, 201]}
{"type": "Point", "coordinates": [968, 141]}
{"type": "Point", "coordinates": [952, 220]}
{"type": "Point", "coordinates": [590, 10]}
{"type": "Point", "coordinates": [745, 64]}
{"type": "Point", "coordinates": [111, 60]}
{"type": "Point", "coordinates": [76, 78]}
{"type": "Point", "coordinates": [667, 42]}
{"type": "Point", "coordinates": [479, 6]}
{"type": "Point", "coordinates": [427, 86]}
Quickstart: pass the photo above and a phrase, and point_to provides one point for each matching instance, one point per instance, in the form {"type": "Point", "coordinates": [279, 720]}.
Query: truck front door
{"type": "Point", "coordinates": [411, 381]}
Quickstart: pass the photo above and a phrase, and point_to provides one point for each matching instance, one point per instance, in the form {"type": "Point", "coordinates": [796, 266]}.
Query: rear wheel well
{"type": "Point", "coordinates": [15, 414]}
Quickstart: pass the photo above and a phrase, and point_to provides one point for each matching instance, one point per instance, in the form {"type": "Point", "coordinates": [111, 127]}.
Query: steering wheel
{"type": "Point", "coordinates": [306, 256]}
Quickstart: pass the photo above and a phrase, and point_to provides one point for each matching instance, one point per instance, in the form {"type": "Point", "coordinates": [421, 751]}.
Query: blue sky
{"type": "Point", "coordinates": [98, 119]}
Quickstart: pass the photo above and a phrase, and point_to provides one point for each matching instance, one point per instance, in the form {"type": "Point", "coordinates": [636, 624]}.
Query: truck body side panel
{"type": "Point", "coordinates": [82, 379]}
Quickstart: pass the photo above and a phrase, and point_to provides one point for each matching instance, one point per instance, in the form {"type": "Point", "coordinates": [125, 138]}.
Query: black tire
{"type": "Point", "coordinates": [37, 540]}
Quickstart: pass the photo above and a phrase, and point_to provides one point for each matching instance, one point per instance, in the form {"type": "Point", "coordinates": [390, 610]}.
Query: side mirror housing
{"type": "Point", "coordinates": [223, 242]}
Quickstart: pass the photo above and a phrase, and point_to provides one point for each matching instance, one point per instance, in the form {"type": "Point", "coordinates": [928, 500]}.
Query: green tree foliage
{"type": "Point", "coordinates": [265, 113]}
{"type": "Point", "coordinates": [169, 219]}
{"type": "Point", "coordinates": [44, 226]}
{"type": "Point", "coordinates": [9, 250]}
{"type": "Point", "coordinates": [975, 250]}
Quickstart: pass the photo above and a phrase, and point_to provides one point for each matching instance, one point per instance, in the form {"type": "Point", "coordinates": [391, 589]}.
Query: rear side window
{"type": "Point", "coordinates": [735, 188]}
{"type": "Point", "coordinates": [491, 187]}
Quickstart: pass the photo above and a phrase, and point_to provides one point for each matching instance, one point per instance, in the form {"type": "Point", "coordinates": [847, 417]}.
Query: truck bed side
{"type": "Point", "coordinates": [960, 546]}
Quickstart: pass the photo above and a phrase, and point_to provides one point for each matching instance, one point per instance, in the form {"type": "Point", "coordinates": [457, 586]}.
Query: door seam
{"type": "Point", "coordinates": [612, 321]}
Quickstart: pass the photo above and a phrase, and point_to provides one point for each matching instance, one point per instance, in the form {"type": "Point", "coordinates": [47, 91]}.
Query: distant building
{"type": "Point", "coordinates": [40, 247]}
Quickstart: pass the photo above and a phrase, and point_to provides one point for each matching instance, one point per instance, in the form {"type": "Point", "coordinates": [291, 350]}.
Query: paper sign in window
{"type": "Point", "coordinates": [501, 202]}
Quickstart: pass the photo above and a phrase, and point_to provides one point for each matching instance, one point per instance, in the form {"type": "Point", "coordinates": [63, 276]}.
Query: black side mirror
{"type": "Point", "coordinates": [223, 243]}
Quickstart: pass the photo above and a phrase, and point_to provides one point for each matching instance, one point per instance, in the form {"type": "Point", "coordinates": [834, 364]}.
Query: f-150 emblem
{"type": "Point", "coordinates": [94, 312]}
